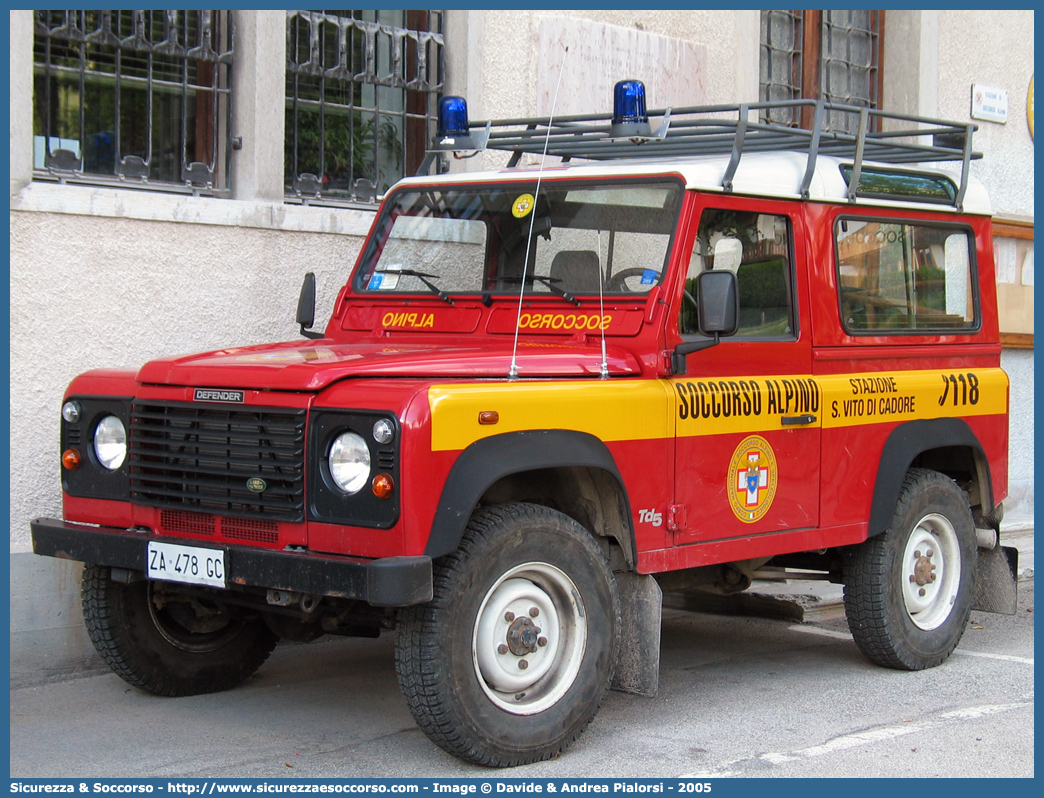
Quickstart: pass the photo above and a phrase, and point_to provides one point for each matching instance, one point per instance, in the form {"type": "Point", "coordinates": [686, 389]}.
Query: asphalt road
{"type": "Point", "coordinates": [739, 697]}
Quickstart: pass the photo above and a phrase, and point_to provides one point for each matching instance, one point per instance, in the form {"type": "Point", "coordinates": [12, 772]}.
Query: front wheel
{"type": "Point", "coordinates": [909, 590]}
{"type": "Point", "coordinates": [171, 643]}
{"type": "Point", "coordinates": [513, 656]}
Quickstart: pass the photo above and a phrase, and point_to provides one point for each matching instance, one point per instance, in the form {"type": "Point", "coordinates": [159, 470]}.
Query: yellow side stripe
{"type": "Point", "coordinates": [617, 410]}
{"type": "Point", "coordinates": [855, 399]}
{"type": "Point", "coordinates": [735, 404]}
{"type": "Point", "coordinates": [611, 410]}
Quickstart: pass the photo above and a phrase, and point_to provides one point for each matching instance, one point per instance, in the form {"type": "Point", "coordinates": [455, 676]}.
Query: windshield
{"type": "Point", "coordinates": [586, 237]}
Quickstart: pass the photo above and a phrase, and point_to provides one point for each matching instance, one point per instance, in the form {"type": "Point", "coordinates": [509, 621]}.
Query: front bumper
{"type": "Point", "coordinates": [388, 582]}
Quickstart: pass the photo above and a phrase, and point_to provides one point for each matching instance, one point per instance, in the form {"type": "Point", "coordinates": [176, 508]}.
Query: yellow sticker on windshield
{"type": "Point", "coordinates": [522, 206]}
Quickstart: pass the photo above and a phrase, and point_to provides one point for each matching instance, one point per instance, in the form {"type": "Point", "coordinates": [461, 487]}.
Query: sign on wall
{"type": "Point", "coordinates": [989, 103]}
{"type": "Point", "coordinates": [590, 57]}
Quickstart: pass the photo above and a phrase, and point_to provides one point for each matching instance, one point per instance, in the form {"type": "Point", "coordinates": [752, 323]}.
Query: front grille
{"type": "Point", "coordinates": [187, 523]}
{"type": "Point", "coordinates": [201, 459]}
{"type": "Point", "coordinates": [252, 529]}
{"type": "Point", "coordinates": [249, 529]}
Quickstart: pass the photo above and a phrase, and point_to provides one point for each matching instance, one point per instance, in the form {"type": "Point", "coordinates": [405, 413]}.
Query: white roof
{"type": "Point", "coordinates": [764, 174]}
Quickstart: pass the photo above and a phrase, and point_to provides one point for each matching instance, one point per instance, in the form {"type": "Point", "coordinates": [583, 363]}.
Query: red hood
{"type": "Point", "coordinates": [313, 365]}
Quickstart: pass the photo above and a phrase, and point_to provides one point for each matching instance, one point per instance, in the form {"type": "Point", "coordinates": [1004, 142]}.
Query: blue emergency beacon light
{"type": "Point", "coordinates": [453, 117]}
{"type": "Point", "coordinates": [629, 117]}
{"type": "Point", "coordinates": [454, 130]}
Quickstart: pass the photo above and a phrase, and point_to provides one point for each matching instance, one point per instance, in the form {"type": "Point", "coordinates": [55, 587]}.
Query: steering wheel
{"type": "Point", "coordinates": [618, 281]}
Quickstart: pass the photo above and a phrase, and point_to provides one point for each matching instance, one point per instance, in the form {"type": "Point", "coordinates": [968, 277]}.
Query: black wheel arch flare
{"type": "Point", "coordinates": [486, 461]}
{"type": "Point", "coordinates": [904, 444]}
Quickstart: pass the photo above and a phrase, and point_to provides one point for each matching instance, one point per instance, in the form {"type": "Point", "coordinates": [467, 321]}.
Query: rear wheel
{"type": "Point", "coordinates": [515, 653]}
{"type": "Point", "coordinates": [909, 590]}
{"type": "Point", "coordinates": [169, 643]}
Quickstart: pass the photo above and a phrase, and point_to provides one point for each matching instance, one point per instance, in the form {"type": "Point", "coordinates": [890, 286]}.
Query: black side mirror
{"type": "Point", "coordinates": [717, 298]}
{"type": "Point", "coordinates": [306, 307]}
{"type": "Point", "coordinates": [717, 314]}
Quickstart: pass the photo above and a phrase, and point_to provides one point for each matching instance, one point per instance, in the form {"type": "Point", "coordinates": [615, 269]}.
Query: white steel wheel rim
{"type": "Point", "coordinates": [931, 572]}
{"type": "Point", "coordinates": [521, 670]}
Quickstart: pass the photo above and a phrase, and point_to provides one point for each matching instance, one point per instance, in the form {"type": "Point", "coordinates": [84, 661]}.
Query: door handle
{"type": "Point", "coordinates": [798, 421]}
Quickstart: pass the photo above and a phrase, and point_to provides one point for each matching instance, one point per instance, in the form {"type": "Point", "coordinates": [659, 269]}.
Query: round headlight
{"type": "Point", "coordinates": [110, 442]}
{"type": "Point", "coordinates": [71, 412]}
{"type": "Point", "coordinates": [383, 432]}
{"type": "Point", "coordinates": [349, 462]}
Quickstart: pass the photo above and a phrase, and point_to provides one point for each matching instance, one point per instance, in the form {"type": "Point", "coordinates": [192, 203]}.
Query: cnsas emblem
{"type": "Point", "coordinates": [522, 206]}
{"type": "Point", "coordinates": [752, 479]}
{"type": "Point", "coordinates": [257, 485]}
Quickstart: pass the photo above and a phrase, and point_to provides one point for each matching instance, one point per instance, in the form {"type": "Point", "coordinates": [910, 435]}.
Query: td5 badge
{"type": "Point", "coordinates": [752, 479]}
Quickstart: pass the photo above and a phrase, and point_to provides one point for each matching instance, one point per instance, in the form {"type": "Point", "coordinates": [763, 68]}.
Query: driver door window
{"type": "Point", "coordinates": [756, 248]}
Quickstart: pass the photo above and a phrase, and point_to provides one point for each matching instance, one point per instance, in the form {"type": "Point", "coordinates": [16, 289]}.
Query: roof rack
{"type": "Point", "coordinates": [727, 129]}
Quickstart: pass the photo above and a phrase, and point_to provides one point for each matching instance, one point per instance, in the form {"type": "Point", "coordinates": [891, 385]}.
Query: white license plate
{"type": "Point", "coordinates": [190, 564]}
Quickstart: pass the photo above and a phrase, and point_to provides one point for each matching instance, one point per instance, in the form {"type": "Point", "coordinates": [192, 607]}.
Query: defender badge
{"type": "Point", "coordinates": [257, 485]}
{"type": "Point", "coordinates": [216, 395]}
{"type": "Point", "coordinates": [752, 479]}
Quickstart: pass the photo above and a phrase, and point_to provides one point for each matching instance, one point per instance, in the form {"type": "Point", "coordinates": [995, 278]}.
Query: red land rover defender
{"type": "Point", "coordinates": [544, 393]}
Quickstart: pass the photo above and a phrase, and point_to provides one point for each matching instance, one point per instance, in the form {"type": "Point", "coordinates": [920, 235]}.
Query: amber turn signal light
{"type": "Point", "coordinates": [489, 417]}
{"type": "Point", "coordinates": [382, 486]}
{"type": "Point", "coordinates": [71, 459]}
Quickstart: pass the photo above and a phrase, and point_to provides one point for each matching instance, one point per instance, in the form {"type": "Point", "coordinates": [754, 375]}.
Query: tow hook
{"type": "Point", "coordinates": [287, 598]}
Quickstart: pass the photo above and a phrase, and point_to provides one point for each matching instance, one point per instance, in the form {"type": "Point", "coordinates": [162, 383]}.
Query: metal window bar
{"type": "Point", "coordinates": [828, 55]}
{"type": "Point", "coordinates": [781, 60]}
{"type": "Point", "coordinates": [848, 72]}
{"type": "Point", "coordinates": [706, 130]}
{"type": "Point", "coordinates": [361, 99]}
{"type": "Point", "coordinates": [116, 54]}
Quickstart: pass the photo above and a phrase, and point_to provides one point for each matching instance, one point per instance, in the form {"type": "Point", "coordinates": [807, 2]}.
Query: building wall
{"type": "Point", "coordinates": [111, 279]}
{"type": "Point", "coordinates": [728, 38]}
{"type": "Point", "coordinates": [106, 278]}
{"type": "Point", "coordinates": [1018, 363]}
{"type": "Point", "coordinates": [996, 49]}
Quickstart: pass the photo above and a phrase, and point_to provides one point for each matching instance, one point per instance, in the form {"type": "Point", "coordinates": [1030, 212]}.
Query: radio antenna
{"type": "Point", "coordinates": [513, 371]}
{"type": "Point", "coordinates": [603, 372]}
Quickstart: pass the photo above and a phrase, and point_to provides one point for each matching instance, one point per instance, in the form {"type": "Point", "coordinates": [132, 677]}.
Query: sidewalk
{"type": "Point", "coordinates": [807, 601]}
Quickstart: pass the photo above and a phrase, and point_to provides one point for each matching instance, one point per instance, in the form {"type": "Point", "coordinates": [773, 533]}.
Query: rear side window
{"type": "Point", "coordinates": [898, 277]}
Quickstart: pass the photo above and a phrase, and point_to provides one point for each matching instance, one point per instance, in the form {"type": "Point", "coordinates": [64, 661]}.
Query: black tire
{"type": "Point", "coordinates": [152, 647]}
{"type": "Point", "coordinates": [909, 590]}
{"type": "Point", "coordinates": [459, 657]}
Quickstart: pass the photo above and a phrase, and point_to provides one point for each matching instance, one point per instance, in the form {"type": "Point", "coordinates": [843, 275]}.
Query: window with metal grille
{"type": "Point", "coordinates": [361, 95]}
{"type": "Point", "coordinates": [828, 55]}
{"type": "Point", "coordinates": [138, 97]}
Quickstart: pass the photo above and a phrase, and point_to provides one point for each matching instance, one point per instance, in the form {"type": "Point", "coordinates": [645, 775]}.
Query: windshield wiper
{"type": "Point", "coordinates": [550, 283]}
{"type": "Point", "coordinates": [424, 278]}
